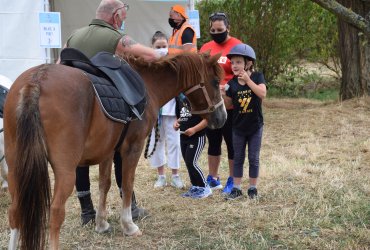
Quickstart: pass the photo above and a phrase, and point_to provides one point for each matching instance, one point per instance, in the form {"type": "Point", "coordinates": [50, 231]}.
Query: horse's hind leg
{"type": "Point", "coordinates": [65, 178]}
{"type": "Point", "coordinates": [105, 169]}
{"type": "Point", "coordinates": [4, 175]}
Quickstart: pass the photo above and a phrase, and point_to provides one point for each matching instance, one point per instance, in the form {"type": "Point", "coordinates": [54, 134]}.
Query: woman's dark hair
{"type": "Point", "coordinates": [219, 16]}
{"type": "Point", "coordinates": [158, 35]}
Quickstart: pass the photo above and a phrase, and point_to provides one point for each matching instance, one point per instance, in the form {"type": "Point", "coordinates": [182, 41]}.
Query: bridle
{"type": "Point", "coordinates": [211, 107]}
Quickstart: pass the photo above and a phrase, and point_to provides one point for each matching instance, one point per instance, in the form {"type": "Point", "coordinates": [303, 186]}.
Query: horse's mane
{"type": "Point", "coordinates": [189, 67]}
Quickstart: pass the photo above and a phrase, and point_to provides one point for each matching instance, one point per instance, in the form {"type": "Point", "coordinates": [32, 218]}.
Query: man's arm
{"type": "Point", "coordinates": [128, 45]}
{"type": "Point", "coordinates": [187, 39]}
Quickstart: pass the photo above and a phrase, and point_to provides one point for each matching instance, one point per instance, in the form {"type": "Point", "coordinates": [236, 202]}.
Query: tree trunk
{"type": "Point", "coordinates": [355, 54]}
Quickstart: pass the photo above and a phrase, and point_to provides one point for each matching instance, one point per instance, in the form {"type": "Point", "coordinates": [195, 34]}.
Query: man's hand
{"type": "Point", "coordinates": [130, 46]}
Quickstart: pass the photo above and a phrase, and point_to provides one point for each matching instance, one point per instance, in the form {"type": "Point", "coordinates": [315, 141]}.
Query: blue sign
{"type": "Point", "coordinates": [194, 21]}
{"type": "Point", "coordinates": [50, 30]}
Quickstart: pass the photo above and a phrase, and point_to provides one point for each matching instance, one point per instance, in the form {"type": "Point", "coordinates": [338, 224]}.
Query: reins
{"type": "Point", "coordinates": [156, 136]}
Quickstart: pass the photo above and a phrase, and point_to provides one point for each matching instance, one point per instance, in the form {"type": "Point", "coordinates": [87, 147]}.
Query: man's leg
{"type": "Point", "coordinates": [84, 196]}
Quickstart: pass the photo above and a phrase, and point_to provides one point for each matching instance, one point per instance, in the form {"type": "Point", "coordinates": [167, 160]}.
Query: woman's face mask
{"type": "Point", "coordinates": [219, 37]}
{"type": "Point", "coordinates": [162, 51]}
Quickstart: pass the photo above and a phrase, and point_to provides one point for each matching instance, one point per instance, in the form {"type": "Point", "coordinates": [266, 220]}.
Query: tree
{"type": "Point", "coordinates": [354, 39]}
{"type": "Point", "coordinates": [281, 32]}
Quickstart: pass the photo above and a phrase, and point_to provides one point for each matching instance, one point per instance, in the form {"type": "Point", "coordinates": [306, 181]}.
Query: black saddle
{"type": "Point", "coordinates": [3, 93]}
{"type": "Point", "coordinates": [117, 71]}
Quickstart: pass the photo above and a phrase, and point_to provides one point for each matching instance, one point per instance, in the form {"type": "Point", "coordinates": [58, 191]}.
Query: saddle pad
{"type": "Point", "coordinates": [128, 82]}
{"type": "Point", "coordinates": [114, 107]}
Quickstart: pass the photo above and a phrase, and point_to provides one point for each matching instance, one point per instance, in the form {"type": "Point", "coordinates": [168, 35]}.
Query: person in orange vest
{"type": "Point", "coordinates": [183, 35]}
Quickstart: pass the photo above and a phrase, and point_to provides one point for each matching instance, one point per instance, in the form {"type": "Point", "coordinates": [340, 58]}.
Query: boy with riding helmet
{"type": "Point", "coordinates": [245, 92]}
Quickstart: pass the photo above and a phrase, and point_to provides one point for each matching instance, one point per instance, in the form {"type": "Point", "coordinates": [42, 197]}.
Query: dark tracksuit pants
{"type": "Point", "coordinates": [191, 150]}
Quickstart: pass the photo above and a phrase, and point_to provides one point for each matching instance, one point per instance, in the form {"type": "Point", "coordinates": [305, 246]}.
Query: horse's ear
{"type": "Point", "coordinates": [214, 59]}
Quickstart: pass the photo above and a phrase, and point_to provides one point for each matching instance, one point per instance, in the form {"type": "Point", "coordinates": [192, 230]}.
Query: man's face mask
{"type": "Point", "coordinates": [219, 37]}
{"type": "Point", "coordinates": [162, 51]}
{"type": "Point", "coordinates": [122, 28]}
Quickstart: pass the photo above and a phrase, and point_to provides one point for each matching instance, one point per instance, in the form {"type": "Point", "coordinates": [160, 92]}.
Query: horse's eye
{"type": "Point", "coordinates": [216, 82]}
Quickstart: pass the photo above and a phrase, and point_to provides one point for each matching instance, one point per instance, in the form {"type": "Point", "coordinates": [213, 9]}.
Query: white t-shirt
{"type": "Point", "coordinates": [169, 108]}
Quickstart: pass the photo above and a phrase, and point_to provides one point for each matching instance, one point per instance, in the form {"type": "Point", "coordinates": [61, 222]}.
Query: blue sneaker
{"type": "Point", "coordinates": [212, 183]}
{"type": "Point", "coordinates": [229, 185]}
{"type": "Point", "coordinates": [190, 192]}
{"type": "Point", "coordinates": [201, 192]}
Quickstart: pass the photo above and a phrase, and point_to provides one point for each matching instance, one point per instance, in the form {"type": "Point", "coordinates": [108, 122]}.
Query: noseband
{"type": "Point", "coordinates": [211, 107]}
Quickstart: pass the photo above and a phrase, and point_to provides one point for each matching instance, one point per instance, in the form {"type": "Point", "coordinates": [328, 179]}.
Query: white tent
{"type": "Point", "coordinates": [20, 35]}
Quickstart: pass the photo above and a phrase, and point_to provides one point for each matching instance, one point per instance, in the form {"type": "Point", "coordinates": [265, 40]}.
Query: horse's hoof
{"type": "Point", "coordinates": [135, 234]}
{"type": "Point", "coordinates": [104, 229]}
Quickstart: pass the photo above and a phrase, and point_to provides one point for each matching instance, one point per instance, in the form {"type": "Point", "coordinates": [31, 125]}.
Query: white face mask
{"type": "Point", "coordinates": [162, 51]}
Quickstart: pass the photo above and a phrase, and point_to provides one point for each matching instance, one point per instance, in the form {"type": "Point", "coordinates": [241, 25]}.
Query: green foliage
{"type": "Point", "coordinates": [281, 32]}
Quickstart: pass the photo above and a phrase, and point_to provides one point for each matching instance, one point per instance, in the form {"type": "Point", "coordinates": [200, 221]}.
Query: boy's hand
{"type": "Point", "coordinates": [244, 76]}
{"type": "Point", "coordinates": [176, 125]}
{"type": "Point", "coordinates": [190, 131]}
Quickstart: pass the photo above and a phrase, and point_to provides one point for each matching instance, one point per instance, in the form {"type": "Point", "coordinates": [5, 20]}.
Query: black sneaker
{"type": "Point", "coordinates": [252, 193]}
{"type": "Point", "coordinates": [234, 194]}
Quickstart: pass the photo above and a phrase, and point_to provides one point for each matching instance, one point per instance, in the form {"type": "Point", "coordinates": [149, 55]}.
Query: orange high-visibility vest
{"type": "Point", "coordinates": [175, 45]}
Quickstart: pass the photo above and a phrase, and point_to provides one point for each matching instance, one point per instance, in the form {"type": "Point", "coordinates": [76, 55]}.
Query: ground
{"type": "Point", "coordinates": [314, 191]}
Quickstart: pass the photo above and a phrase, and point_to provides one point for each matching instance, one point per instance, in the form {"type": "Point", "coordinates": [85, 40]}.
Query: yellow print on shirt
{"type": "Point", "coordinates": [244, 100]}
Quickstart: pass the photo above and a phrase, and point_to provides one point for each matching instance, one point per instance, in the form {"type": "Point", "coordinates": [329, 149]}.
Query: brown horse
{"type": "Point", "coordinates": [52, 116]}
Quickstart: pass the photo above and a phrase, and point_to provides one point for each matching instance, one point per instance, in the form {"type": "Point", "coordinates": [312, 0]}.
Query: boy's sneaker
{"type": "Point", "coordinates": [252, 193]}
{"type": "Point", "coordinates": [229, 185]}
{"type": "Point", "coordinates": [190, 191]}
{"type": "Point", "coordinates": [212, 183]}
{"type": "Point", "coordinates": [177, 182]}
{"type": "Point", "coordinates": [201, 192]}
{"type": "Point", "coordinates": [234, 194]}
{"type": "Point", "coordinates": [161, 182]}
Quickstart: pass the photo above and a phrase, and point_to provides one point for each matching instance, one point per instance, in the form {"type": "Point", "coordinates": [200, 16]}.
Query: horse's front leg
{"type": "Point", "coordinates": [105, 169]}
{"type": "Point", "coordinates": [130, 155]}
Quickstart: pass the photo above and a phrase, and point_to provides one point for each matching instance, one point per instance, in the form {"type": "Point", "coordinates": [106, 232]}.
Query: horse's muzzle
{"type": "Point", "coordinates": [217, 118]}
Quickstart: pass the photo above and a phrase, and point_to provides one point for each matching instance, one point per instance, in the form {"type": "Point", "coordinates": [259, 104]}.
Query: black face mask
{"type": "Point", "coordinates": [172, 23]}
{"type": "Point", "coordinates": [219, 37]}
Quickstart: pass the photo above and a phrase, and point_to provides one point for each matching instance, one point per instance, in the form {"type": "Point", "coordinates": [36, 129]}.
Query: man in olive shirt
{"type": "Point", "coordinates": [104, 34]}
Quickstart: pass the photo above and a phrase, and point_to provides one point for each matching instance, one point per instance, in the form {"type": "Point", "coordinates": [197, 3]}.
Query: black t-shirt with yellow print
{"type": "Point", "coordinates": [247, 113]}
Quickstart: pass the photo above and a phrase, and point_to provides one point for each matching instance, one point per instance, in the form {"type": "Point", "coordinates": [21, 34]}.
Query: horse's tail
{"type": "Point", "coordinates": [32, 184]}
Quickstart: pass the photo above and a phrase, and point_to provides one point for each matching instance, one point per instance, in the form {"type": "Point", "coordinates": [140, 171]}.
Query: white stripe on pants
{"type": "Point", "coordinates": [170, 139]}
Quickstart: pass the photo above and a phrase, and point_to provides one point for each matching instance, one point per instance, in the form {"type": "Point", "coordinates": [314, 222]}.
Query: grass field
{"type": "Point", "coordinates": [314, 191]}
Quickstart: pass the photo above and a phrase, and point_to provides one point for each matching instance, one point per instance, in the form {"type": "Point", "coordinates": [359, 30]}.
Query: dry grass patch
{"type": "Point", "coordinates": [314, 186]}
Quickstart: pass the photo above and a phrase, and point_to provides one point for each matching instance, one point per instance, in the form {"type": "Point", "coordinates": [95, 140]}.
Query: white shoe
{"type": "Point", "coordinates": [161, 182]}
{"type": "Point", "coordinates": [201, 192]}
{"type": "Point", "coordinates": [177, 182]}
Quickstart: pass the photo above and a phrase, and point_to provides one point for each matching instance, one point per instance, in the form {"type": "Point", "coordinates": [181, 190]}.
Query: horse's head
{"type": "Point", "coordinates": [205, 97]}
